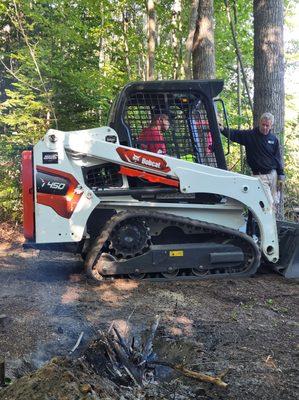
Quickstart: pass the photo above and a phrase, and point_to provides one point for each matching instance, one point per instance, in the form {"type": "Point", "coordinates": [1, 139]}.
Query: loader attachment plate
{"type": "Point", "coordinates": [288, 264]}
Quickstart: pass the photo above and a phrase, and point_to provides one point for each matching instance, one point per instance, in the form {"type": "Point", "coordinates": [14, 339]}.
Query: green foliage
{"type": "Point", "coordinates": [291, 156]}
{"type": "Point", "coordinates": [226, 59]}
{"type": "Point", "coordinates": [23, 121]}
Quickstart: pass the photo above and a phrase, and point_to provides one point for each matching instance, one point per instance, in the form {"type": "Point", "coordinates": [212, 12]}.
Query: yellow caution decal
{"type": "Point", "coordinates": [176, 253]}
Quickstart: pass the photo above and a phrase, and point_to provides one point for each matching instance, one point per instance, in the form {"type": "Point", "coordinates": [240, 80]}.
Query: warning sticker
{"type": "Point", "coordinates": [176, 253]}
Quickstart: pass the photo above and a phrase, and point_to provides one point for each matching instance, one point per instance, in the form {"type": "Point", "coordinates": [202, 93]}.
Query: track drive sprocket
{"type": "Point", "coordinates": [130, 238]}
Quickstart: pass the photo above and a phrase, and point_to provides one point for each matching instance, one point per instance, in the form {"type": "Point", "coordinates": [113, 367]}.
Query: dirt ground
{"type": "Point", "coordinates": [246, 327]}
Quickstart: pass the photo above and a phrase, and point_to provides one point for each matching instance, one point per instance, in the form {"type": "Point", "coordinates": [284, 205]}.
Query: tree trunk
{"type": "Point", "coordinates": [151, 39]}
{"type": "Point", "coordinates": [189, 41]}
{"type": "Point", "coordinates": [269, 61]}
{"type": "Point", "coordinates": [203, 42]}
{"type": "Point", "coordinates": [269, 67]}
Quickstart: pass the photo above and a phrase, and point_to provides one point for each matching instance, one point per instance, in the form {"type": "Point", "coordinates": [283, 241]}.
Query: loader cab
{"type": "Point", "coordinates": [193, 133]}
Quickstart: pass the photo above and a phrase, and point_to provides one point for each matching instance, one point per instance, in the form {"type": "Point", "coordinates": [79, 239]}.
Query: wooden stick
{"type": "Point", "coordinates": [121, 341]}
{"type": "Point", "coordinates": [148, 348]}
{"type": "Point", "coordinates": [216, 380]}
{"type": "Point", "coordinates": [129, 317]}
{"type": "Point", "coordinates": [199, 376]}
{"type": "Point", "coordinates": [77, 343]}
{"type": "Point", "coordinates": [133, 371]}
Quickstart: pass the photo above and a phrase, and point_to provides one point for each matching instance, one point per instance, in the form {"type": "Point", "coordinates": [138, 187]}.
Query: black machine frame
{"type": "Point", "coordinates": [190, 108]}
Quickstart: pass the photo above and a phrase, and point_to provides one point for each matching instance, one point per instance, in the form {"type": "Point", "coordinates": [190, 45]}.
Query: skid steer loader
{"type": "Point", "coordinates": [137, 214]}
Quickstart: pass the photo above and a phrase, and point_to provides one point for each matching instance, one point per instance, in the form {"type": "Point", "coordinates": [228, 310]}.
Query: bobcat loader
{"type": "Point", "coordinates": [133, 213]}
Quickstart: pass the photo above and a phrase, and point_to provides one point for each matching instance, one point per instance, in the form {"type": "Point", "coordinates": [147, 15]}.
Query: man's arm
{"type": "Point", "coordinates": [236, 135]}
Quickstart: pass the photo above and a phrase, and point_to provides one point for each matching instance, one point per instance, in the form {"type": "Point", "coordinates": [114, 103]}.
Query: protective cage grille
{"type": "Point", "coordinates": [188, 136]}
{"type": "Point", "coordinates": [102, 176]}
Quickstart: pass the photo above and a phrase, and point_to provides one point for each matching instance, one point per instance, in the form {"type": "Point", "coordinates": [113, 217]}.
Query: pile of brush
{"type": "Point", "coordinates": [128, 362]}
{"type": "Point", "coordinates": [124, 363]}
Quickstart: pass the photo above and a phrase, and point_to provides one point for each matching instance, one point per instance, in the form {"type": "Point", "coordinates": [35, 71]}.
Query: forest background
{"type": "Point", "coordinates": [63, 62]}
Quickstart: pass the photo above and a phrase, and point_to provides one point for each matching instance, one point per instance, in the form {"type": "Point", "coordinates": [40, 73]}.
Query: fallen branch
{"type": "Point", "coordinates": [216, 380]}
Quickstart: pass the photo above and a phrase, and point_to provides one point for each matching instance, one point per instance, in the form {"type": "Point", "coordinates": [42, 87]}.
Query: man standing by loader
{"type": "Point", "coordinates": [262, 153]}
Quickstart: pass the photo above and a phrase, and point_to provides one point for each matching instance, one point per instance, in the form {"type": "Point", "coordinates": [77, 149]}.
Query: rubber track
{"type": "Point", "coordinates": [97, 245]}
